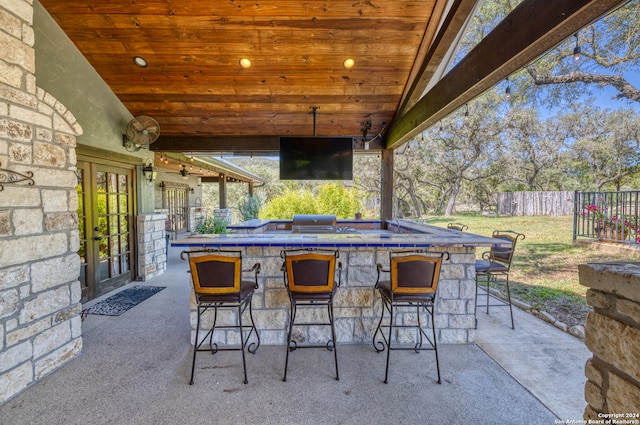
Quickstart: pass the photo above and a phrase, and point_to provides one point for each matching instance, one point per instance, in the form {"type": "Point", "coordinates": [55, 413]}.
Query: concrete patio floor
{"type": "Point", "coordinates": [134, 369]}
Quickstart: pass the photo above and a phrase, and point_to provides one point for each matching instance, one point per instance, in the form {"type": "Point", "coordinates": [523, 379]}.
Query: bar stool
{"type": "Point", "coordinates": [217, 284]}
{"type": "Point", "coordinates": [309, 276]}
{"type": "Point", "coordinates": [457, 226]}
{"type": "Point", "coordinates": [413, 284]}
{"type": "Point", "coordinates": [494, 267]}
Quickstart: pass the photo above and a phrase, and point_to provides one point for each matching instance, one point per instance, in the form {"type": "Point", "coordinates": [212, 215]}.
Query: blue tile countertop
{"type": "Point", "coordinates": [415, 235]}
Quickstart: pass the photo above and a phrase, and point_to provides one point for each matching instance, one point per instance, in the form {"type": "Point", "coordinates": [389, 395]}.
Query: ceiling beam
{"type": "Point", "coordinates": [531, 29]}
{"type": "Point", "coordinates": [257, 144]}
{"type": "Point", "coordinates": [253, 145]}
{"type": "Point", "coordinates": [431, 54]}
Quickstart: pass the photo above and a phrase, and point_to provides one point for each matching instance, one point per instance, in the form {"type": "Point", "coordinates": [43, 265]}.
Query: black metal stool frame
{"type": "Point", "coordinates": [241, 305]}
{"type": "Point", "coordinates": [457, 226]}
{"type": "Point", "coordinates": [389, 304]}
{"type": "Point", "coordinates": [297, 299]}
{"type": "Point", "coordinates": [494, 267]}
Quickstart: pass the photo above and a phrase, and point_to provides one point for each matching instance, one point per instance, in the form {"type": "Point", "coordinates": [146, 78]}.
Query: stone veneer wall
{"type": "Point", "coordinates": [357, 304]}
{"type": "Point", "coordinates": [39, 265]}
{"type": "Point", "coordinates": [225, 214]}
{"type": "Point", "coordinates": [195, 215]}
{"type": "Point", "coordinates": [152, 245]}
{"type": "Point", "coordinates": [612, 333]}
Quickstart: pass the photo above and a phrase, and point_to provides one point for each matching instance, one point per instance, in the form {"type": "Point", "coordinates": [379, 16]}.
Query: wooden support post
{"type": "Point", "coordinates": [222, 185]}
{"type": "Point", "coordinates": [386, 186]}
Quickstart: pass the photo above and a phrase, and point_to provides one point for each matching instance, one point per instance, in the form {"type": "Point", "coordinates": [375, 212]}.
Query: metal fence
{"type": "Point", "coordinates": [608, 216]}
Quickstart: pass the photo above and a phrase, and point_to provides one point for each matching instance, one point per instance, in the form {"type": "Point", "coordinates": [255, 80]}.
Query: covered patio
{"type": "Point", "coordinates": [134, 369]}
{"type": "Point", "coordinates": [58, 113]}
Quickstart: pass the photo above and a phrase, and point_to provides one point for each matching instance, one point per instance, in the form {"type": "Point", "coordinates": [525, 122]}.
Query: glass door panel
{"type": "Point", "coordinates": [106, 228]}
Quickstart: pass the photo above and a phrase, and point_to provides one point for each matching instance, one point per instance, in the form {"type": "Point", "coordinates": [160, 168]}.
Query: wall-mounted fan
{"type": "Point", "coordinates": [140, 132]}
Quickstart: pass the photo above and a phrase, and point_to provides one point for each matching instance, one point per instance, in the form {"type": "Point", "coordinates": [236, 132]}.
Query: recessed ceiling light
{"type": "Point", "coordinates": [140, 61]}
{"type": "Point", "coordinates": [348, 63]}
{"type": "Point", "coordinates": [245, 63]}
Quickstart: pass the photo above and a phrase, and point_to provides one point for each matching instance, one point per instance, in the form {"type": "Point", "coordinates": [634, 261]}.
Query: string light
{"type": "Point", "coordinates": [576, 50]}
{"type": "Point", "coordinates": [507, 92]}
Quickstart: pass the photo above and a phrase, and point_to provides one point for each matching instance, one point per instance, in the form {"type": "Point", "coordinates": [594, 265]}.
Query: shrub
{"type": "Point", "coordinates": [331, 198]}
{"type": "Point", "coordinates": [289, 204]}
{"type": "Point", "coordinates": [250, 208]}
{"type": "Point", "coordinates": [211, 225]}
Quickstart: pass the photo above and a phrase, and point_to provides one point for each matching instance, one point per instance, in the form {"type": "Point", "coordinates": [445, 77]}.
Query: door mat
{"type": "Point", "coordinates": [117, 304]}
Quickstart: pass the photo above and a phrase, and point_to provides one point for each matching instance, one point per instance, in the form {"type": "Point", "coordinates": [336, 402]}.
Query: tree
{"type": "Point", "coordinates": [366, 179]}
{"type": "Point", "coordinates": [610, 54]}
{"type": "Point", "coordinates": [464, 149]}
{"type": "Point", "coordinates": [605, 144]}
{"type": "Point", "coordinates": [535, 151]}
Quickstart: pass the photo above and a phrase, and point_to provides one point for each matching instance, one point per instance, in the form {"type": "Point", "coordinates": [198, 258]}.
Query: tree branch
{"type": "Point", "coordinates": [624, 88]}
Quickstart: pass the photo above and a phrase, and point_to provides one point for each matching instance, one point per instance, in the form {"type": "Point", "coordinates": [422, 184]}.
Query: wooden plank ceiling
{"type": "Point", "coordinates": [204, 101]}
{"type": "Point", "coordinates": [194, 85]}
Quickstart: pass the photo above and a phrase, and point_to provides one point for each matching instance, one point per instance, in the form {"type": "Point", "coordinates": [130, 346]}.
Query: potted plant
{"type": "Point", "coordinates": [607, 226]}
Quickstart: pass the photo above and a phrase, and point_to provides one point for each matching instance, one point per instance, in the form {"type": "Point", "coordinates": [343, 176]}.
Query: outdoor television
{"type": "Point", "coordinates": [316, 158]}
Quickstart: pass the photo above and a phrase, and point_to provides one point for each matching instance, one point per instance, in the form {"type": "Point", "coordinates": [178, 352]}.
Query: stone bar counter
{"type": "Point", "coordinates": [362, 244]}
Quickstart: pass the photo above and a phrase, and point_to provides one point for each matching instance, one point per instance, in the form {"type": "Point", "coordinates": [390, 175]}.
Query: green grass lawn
{"type": "Point", "coordinates": [544, 272]}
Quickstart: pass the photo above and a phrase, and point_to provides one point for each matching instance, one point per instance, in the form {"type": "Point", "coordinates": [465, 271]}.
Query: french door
{"type": "Point", "coordinates": [175, 201]}
{"type": "Point", "coordinates": [105, 213]}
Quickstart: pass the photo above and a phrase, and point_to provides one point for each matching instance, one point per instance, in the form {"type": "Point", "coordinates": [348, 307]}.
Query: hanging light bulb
{"type": "Point", "coordinates": [466, 111]}
{"type": "Point", "coordinates": [507, 91]}
{"type": "Point", "coordinates": [576, 50]}
{"type": "Point", "coordinates": [441, 130]}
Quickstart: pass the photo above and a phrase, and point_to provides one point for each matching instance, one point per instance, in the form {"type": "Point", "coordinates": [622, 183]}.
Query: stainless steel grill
{"type": "Point", "coordinates": [314, 223]}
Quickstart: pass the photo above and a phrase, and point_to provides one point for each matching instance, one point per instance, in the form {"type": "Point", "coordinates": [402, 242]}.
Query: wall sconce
{"type": "Point", "coordinates": [149, 174]}
{"type": "Point", "coordinates": [192, 190]}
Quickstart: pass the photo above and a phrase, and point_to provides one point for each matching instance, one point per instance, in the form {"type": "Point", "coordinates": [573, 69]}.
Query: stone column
{"type": "Point", "coordinates": [152, 246]}
{"type": "Point", "coordinates": [224, 214]}
{"type": "Point", "coordinates": [612, 333]}
{"type": "Point", "coordinates": [40, 325]}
